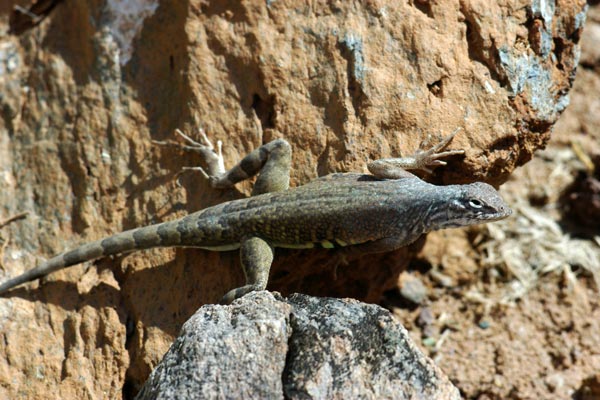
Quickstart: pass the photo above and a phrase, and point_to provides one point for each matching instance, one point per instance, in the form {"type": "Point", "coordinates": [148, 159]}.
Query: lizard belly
{"type": "Point", "coordinates": [326, 244]}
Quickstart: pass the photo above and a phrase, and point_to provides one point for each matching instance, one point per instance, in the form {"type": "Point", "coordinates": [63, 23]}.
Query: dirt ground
{"type": "Point", "coordinates": [511, 310]}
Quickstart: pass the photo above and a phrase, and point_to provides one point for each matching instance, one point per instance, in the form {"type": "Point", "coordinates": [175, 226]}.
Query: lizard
{"type": "Point", "coordinates": [359, 213]}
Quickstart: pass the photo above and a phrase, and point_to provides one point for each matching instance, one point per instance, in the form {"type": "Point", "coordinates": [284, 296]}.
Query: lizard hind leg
{"type": "Point", "coordinates": [271, 161]}
{"type": "Point", "coordinates": [256, 256]}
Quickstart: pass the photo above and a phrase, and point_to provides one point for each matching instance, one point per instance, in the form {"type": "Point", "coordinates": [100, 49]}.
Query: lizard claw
{"type": "Point", "coordinates": [198, 169]}
{"type": "Point", "coordinates": [431, 157]}
{"type": "Point", "coordinates": [214, 160]}
{"type": "Point", "coordinates": [216, 157]}
{"type": "Point", "coordinates": [395, 168]}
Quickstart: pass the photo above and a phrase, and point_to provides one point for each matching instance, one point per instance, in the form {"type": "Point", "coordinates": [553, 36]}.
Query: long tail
{"type": "Point", "coordinates": [135, 239]}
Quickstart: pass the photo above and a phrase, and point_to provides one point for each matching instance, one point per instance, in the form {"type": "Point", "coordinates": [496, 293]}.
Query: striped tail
{"type": "Point", "coordinates": [135, 239]}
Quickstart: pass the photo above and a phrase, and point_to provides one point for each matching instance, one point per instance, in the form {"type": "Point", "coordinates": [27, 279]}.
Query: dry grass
{"type": "Point", "coordinates": [518, 251]}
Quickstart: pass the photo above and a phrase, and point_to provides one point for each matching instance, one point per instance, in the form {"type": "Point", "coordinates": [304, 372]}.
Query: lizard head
{"type": "Point", "coordinates": [473, 204]}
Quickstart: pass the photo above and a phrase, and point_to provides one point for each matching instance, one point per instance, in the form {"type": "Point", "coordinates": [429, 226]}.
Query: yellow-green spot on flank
{"type": "Point", "coordinates": [327, 244]}
{"type": "Point", "coordinates": [341, 242]}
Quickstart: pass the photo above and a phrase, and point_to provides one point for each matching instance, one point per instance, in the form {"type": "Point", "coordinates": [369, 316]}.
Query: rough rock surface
{"type": "Point", "coordinates": [300, 348]}
{"type": "Point", "coordinates": [84, 90]}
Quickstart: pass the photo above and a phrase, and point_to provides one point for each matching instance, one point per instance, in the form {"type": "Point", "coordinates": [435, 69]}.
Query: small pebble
{"type": "Point", "coordinates": [412, 288]}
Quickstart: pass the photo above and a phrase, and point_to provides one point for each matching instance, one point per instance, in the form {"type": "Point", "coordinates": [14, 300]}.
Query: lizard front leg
{"type": "Point", "coordinates": [396, 168]}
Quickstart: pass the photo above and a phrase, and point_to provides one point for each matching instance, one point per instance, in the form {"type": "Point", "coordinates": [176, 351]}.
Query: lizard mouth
{"type": "Point", "coordinates": [501, 214]}
{"type": "Point", "coordinates": [496, 217]}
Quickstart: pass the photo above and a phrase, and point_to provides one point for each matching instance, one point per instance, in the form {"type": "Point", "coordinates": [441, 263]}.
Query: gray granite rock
{"type": "Point", "coordinates": [302, 347]}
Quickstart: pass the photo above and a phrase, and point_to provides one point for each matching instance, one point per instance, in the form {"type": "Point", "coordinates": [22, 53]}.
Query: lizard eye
{"type": "Point", "coordinates": [475, 203]}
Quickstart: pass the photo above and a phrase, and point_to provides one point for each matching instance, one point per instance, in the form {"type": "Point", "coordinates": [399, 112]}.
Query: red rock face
{"type": "Point", "coordinates": [344, 82]}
